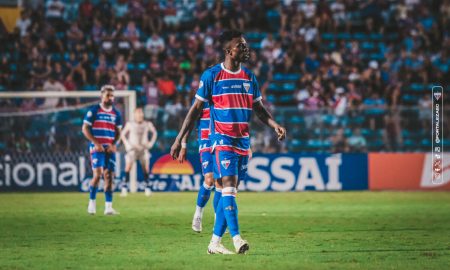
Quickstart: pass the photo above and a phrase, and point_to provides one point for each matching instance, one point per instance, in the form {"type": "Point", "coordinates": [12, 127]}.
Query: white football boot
{"type": "Point", "coordinates": [92, 208]}
{"type": "Point", "coordinates": [124, 192]}
{"type": "Point", "coordinates": [111, 212]}
{"type": "Point", "coordinates": [241, 245]}
{"type": "Point", "coordinates": [197, 224]}
{"type": "Point", "coordinates": [148, 192]}
{"type": "Point", "coordinates": [218, 248]}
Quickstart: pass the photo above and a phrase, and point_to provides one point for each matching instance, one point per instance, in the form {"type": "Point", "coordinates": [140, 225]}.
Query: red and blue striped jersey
{"type": "Point", "coordinates": [204, 144]}
{"type": "Point", "coordinates": [231, 96]}
{"type": "Point", "coordinates": [103, 123]}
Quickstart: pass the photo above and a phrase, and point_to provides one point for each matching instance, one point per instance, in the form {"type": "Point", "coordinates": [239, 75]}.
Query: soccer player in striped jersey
{"type": "Point", "coordinates": [233, 93]}
{"type": "Point", "coordinates": [137, 146]}
{"type": "Point", "coordinates": [101, 126]}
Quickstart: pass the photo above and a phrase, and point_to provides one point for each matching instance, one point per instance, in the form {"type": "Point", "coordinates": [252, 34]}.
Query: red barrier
{"type": "Point", "coordinates": [406, 171]}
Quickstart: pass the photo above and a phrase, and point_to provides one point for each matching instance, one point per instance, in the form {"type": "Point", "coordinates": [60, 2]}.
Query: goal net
{"type": "Point", "coordinates": [41, 143]}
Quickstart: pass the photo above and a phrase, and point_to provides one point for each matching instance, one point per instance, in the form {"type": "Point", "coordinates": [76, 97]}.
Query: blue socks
{"type": "Point", "coordinates": [217, 196]}
{"type": "Point", "coordinates": [92, 192]}
{"type": "Point", "coordinates": [203, 195]}
{"type": "Point", "coordinates": [220, 224]}
{"type": "Point", "coordinates": [230, 209]}
{"type": "Point", "coordinates": [108, 196]}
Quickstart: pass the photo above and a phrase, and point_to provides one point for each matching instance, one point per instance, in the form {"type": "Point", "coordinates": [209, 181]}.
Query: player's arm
{"type": "Point", "coordinates": [123, 136]}
{"type": "Point", "coordinates": [113, 147]}
{"type": "Point", "coordinates": [265, 116]}
{"type": "Point", "coordinates": [154, 132]}
{"type": "Point", "coordinates": [188, 124]}
{"type": "Point", "coordinates": [86, 129]}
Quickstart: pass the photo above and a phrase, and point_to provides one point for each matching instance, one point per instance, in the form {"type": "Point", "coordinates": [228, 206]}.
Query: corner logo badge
{"type": "Point", "coordinates": [225, 163]}
{"type": "Point", "coordinates": [437, 95]}
{"type": "Point", "coordinates": [246, 86]}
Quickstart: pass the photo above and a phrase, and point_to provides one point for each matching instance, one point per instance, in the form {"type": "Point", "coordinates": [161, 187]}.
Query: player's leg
{"type": "Point", "coordinates": [97, 161]}
{"type": "Point", "coordinates": [220, 223]}
{"type": "Point", "coordinates": [232, 164]}
{"type": "Point", "coordinates": [129, 161]}
{"type": "Point", "coordinates": [205, 189]}
{"type": "Point", "coordinates": [202, 198]}
{"type": "Point", "coordinates": [144, 159]}
{"type": "Point", "coordinates": [108, 176]}
{"type": "Point", "coordinates": [217, 194]}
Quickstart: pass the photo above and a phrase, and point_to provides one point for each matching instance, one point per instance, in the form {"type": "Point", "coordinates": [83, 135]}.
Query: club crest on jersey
{"type": "Point", "coordinates": [94, 161]}
{"type": "Point", "coordinates": [225, 163]}
{"type": "Point", "coordinates": [246, 86]}
{"type": "Point", "coordinates": [205, 164]}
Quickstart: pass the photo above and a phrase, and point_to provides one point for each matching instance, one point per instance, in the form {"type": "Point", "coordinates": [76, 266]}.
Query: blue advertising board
{"type": "Point", "coordinates": [266, 172]}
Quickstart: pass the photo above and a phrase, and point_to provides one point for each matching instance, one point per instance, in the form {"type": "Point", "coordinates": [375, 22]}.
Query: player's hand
{"type": "Point", "coordinates": [175, 149]}
{"type": "Point", "coordinates": [281, 132]}
{"type": "Point", "coordinates": [99, 148]}
{"type": "Point", "coordinates": [182, 155]}
{"type": "Point", "coordinates": [111, 148]}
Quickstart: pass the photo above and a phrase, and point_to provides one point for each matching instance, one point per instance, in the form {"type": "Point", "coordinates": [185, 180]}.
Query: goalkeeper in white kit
{"type": "Point", "coordinates": [138, 146]}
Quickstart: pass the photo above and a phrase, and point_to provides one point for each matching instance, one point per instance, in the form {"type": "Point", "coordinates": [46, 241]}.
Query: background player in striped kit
{"type": "Point", "coordinates": [232, 92]}
{"type": "Point", "coordinates": [138, 146]}
{"type": "Point", "coordinates": [206, 161]}
{"type": "Point", "coordinates": [101, 126]}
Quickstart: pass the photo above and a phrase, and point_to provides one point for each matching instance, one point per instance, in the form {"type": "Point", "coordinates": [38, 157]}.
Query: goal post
{"type": "Point", "coordinates": [129, 107]}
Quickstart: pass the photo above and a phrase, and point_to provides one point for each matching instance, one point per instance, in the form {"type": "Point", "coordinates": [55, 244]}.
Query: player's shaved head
{"type": "Point", "coordinates": [227, 36]}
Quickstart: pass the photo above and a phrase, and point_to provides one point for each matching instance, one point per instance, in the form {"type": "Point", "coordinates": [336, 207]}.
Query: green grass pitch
{"type": "Point", "coordinates": [309, 230]}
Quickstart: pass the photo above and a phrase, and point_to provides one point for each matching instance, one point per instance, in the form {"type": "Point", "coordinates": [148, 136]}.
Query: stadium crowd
{"type": "Point", "coordinates": [338, 56]}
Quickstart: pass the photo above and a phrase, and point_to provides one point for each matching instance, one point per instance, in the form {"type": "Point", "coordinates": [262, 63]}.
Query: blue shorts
{"type": "Point", "coordinates": [207, 162]}
{"type": "Point", "coordinates": [229, 163]}
{"type": "Point", "coordinates": [103, 160]}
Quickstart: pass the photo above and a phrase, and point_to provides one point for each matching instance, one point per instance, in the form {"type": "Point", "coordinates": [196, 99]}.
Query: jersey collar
{"type": "Point", "coordinates": [103, 108]}
{"type": "Point", "coordinates": [229, 71]}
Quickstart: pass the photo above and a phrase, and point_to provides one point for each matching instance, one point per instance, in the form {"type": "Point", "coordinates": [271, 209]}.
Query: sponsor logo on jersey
{"type": "Point", "coordinates": [225, 163]}
{"type": "Point", "coordinates": [229, 208]}
{"type": "Point", "coordinates": [244, 167]}
{"type": "Point", "coordinates": [246, 86]}
{"type": "Point", "coordinates": [236, 86]}
{"type": "Point", "coordinates": [94, 161]}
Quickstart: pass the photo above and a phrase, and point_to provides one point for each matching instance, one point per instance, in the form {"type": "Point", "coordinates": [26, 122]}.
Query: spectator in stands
{"type": "Point", "coordinates": [132, 34]}
{"type": "Point", "coordinates": [155, 45]}
{"type": "Point", "coordinates": [23, 146]}
{"type": "Point", "coordinates": [167, 88]}
{"type": "Point", "coordinates": [375, 107]}
{"type": "Point", "coordinates": [54, 13]}
{"type": "Point", "coordinates": [74, 35]}
{"type": "Point", "coordinates": [392, 134]}
{"type": "Point", "coordinates": [52, 85]}
{"type": "Point", "coordinates": [152, 20]}
{"type": "Point", "coordinates": [356, 142]}
{"type": "Point", "coordinates": [309, 10]}
{"type": "Point", "coordinates": [23, 23]}
{"type": "Point", "coordinates": [339, 105]}
{"type": "Point", "coordinates": [425, 111]}
{"type": "Point", "coordinates": [338, 142]}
